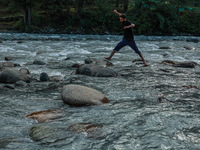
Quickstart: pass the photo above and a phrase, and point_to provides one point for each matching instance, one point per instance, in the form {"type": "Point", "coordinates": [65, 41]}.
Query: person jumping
{"type": "Point", "coordinates": [128, 38]}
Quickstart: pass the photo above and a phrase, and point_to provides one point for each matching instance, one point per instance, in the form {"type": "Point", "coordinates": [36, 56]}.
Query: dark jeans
{"type": "Point", "coordinates": [125, 42]}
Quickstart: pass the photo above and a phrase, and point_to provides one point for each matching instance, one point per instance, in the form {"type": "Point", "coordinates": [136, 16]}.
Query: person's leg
{"type": "Point", "coordinates": [133, 45]}
{"type": "Point", "coordinates": [117, 48]}
{"type": "Point", "coordinates": [111, 55]}
{"type": "Point", "coordinates": [144, 62]}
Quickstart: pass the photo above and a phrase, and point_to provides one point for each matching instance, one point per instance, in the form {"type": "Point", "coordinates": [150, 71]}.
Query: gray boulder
{"type": "Point", "coordinates": [96, 71]}
{"type": "Point", "coordinates": [78, 95]}
{"type": "Point", "coordinates": [12, 76]}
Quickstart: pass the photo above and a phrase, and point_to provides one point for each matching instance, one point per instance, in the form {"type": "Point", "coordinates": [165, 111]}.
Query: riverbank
{"type": "Point", "coordinates": [60, 37]}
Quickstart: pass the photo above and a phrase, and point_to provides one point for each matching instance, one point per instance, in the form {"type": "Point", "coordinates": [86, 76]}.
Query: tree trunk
{"type": "Point", "coordinates": [117, 3]}
{"type": "Point", "coordinates": [126, 2]}
{"type": "Point", "coordinates": [80, 6]}
{"type": "Point", "coordinates": [29, 15]}
{"type": "Point", "coordinates": [25, 12]}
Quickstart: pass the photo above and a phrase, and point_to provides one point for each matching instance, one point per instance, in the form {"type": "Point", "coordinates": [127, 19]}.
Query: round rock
{"type": "Point", "coordinates": [44, 77]}
{"type": "Point", "coordinates": [77, 95]}
{"type": "Point", "coordinates": [12, 76]}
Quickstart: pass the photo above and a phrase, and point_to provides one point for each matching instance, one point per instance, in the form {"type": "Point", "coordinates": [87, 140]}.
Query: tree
{"type": "Point", "coordinates": [126, 3]}
{"type": "Point", "coordinates": [27, 11]}
{"type": "Point", "coordinates": [25, 5]}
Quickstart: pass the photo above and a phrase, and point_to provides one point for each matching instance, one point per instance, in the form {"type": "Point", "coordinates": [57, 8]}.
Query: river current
{"type": "Point", "coordinates": [154, 107]}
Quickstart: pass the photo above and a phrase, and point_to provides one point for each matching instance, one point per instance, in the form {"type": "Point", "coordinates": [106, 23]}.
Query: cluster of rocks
{"type": "Point", "coordinates": [72, 94]}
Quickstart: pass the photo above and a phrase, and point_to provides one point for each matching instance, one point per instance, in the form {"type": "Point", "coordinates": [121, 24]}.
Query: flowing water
{"type": "Point", "coordinates": [154, 107]}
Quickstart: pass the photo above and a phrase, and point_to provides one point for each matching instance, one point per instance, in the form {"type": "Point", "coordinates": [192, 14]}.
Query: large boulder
{"type": "Point", "coordinates": [96, 71]}
{"type": "Point", "coordinates": [77, 95]}
{"type": "Point", "coordinates": [12, 76]}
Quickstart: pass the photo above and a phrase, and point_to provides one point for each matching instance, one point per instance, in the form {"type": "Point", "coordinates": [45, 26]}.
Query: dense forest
{"type": "Point", "coordinates": [151, 17]}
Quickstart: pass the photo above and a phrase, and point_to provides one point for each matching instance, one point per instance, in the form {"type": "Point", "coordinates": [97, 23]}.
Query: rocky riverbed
{"type": "Point", "coordinates": [135, 107]}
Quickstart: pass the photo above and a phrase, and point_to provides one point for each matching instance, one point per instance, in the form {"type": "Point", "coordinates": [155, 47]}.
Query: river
{"type": "Point", "coordinates": [154, 107]}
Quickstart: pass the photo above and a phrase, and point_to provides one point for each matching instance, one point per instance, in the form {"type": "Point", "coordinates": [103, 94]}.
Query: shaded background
{"type": "Point", "coordinates": [152, 17]}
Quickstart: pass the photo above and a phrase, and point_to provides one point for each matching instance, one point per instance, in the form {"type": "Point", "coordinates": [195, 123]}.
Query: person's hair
{"type": "Point", "coordinates": [123, 16]}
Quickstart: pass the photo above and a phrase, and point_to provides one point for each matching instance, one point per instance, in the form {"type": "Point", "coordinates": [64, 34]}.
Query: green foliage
{"type": "Point", "coordinates": [190, 22]}
{"type": "Point", "coordinates": [151, 17]}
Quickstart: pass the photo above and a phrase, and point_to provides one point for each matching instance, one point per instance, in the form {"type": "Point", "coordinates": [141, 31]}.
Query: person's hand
{"type": "Point", "coordinates": [115, 11]}
{"type": "Point", "coordinates": [126, 27]}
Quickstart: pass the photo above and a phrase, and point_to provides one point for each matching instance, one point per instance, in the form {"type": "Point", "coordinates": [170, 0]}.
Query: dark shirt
{"type": "Point", "coordinates": [128, 33]}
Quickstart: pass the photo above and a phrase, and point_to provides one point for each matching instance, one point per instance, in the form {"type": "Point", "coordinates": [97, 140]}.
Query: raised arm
{"type": "Point", "coordinates": [115, 11]}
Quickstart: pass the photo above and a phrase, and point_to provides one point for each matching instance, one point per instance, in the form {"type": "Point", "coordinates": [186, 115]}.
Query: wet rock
{"type": "Point", "coordinates": [40, 52]}
{"type": "Point", "coordinates": [164, 47]}
{"type": "Point", "coordinates": [8, 58]}
{"type": "Point", "coordinates": [7, 64]}
{"type": "Point", "coordinates": [38, 133]}
{"type": "Point", "coordinates": [188, 48]}
{"type": "Point", "coordinates": [12, 76]}
{"type": "Point", "coordinates": [77, 95]}
{"type": "Point", "coordinates": [68, 58]}
{"type": "Point", "coordinates": [170, 62]}
{"type": "Point", "coordinates": [9, 86]}
{"type": "Point", "coordinates": [45, 116]}
{"type": "Point", "coordinates": [24, 70]}
{"type": "Point", "coordinates": [49, 134]}
{"type": "Point", "coordinates": [185, 64]}
{"type": "Point", "coordinates": [20, 83]}
{"type": "Point", "coordinates": [53, 86]}
{"type": "Point", "coordinates": [162, 99]}
{"type": "Point", "coordinates": [5, 141]}
{"type": "Point", "coordinates": [191, 87]}
{"type": "Point", "coordinates": [96, 71]}
{"type": "Point", "coordinates": [39, 62]}
{"type": "Point", "coordinates": [90, 60]}
{"type": "Point", "coordinates": [44, 77]}
{"type": "Point", "coordinates": [75, 66]}
{"type": "Point", "coordinates": [91, 130]}
{"type": "Point", "coordinates": [55, 78]}
{"type": "Point", "coordinates": [19, 42]}
{"type": "Point", "coordinates": [195, 40]}
{"type": "Point", "coordinates": [104, 63]}
{"type": "Point", "coordinates": [1, 41]}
